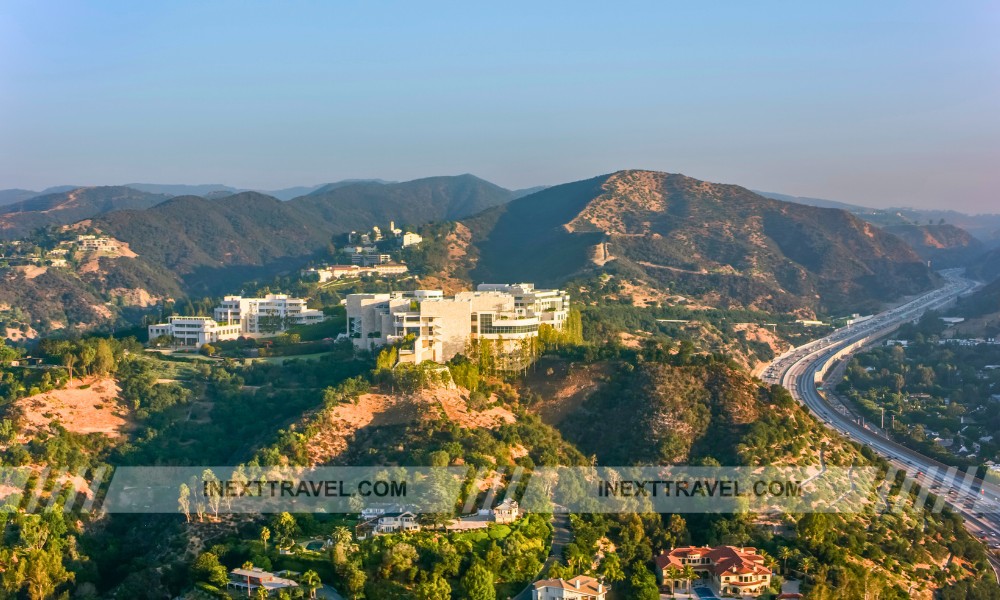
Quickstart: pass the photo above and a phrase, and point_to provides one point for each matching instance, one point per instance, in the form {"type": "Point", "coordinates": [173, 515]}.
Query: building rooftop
{"type": "Point", "coordinates": [580, 583]}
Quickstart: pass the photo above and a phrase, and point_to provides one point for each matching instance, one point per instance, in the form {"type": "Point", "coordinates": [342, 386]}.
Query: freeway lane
{"type": "Point", "coordinates": [800, 369]}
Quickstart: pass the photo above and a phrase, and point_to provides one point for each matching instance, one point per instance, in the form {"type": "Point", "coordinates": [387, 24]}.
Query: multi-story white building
{"type": "Point", "coordinates": [551, 307]}
{"type": "Point", "coordinates": [93, 242]}
{"type": "Point", "coordinates": [444, 326]}
{"type": "Point", "coordinates": [194, 331]}
{"type": "Point", "coordinates": [270, 314]}
{"type": "Point", "coordinates": [340, 271]}
{"type": "Point", "coordinates": [367, 256]}
{"type": "Point", "coordinates": [410, 239]}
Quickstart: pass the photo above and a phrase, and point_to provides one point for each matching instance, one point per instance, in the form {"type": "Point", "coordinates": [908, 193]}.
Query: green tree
{"type": "Point", "coordinates": [311, 580]}
{"type": "Point", "coordinates": [688, 574]}
{"type": "Point", "coordinates": [478, 583]}
{"type": "Point", "coordinates": [643, 584]}
{"type": "Point", "coordinates": [807, 564]}
{"type": "Point", "coordinates": [208, 568]}
{"type": "Point", "coordinates": [784, 554]}
{"type": "Point", "coordinates": [265, 534]}
{"type": "Point", "coordinates": [434, 588]}
{"type": "Point", "coordinates": [611, 568]}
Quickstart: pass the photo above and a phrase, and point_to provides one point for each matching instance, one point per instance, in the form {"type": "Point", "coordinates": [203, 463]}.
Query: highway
{"type": "Point", "coordinates": [801, 370]}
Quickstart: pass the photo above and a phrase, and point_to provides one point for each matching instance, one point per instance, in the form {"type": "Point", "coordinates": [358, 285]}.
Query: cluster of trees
{"type": "Point", "coordinates": [431, 565]}
{"type": "Point", "coordinates": [930, 387]}
{"type": "Point", "coordinates": [96, 356]}
{"type": "Point", "coordinates": [36, 550]}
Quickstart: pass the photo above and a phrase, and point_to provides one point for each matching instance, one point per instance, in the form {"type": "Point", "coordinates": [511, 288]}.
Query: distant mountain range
{"type": "Point", "coordinates": [62, 208]}
{"type": "Point", "coordinates": [211, 245]}
{"type": "Point", "coordinates": [17, 195]}
{"type": "Point", "coordinates": [720, 244]}
{"type": "Point", "coordinates": [985, 227]}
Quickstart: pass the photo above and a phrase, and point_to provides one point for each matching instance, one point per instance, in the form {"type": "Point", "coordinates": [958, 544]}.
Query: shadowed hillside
{"type": "Point", "coordinates": [360, 205]}
{"type": "Point", "coordinates": [944, 245]}
{"type": "Point", "coordinates": [213, 245]}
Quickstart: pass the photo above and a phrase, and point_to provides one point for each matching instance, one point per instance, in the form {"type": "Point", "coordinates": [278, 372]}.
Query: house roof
{"type": "Point", "coordinates": [722, 559]}
{"type": "Point", "coordinates": [580, 583]}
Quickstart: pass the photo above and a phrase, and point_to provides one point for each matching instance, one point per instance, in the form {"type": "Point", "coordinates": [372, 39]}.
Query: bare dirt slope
{"type": "Point", "coordinates": [380, 409]}
{"type": "Point", "coordinates": [88, 405]}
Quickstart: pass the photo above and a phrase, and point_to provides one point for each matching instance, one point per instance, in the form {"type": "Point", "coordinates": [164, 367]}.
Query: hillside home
{"type": "Point", "coordinates": [506, 512]}
{"type": "Point", "coordinates": [442, 327]}
{"type": "Point", "coordinates": [389, 522]}
{"type": "Point", "coordinates": [730, 570]}
{"type": "Point", "coordinates": [97, 244]}
{"type": "Point", "coordinates": [581, 587]}
{"type": "Point", "coordinates": [246, 582]}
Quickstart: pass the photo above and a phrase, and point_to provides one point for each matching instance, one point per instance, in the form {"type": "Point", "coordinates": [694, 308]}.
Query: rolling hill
{"type": "Point", "coordinates": [722, 243]}
{"type": "Point", "coordinates": [213, 245]}
{"type": "Point", "coordinates": [363, 204]}
{"type": "Point", "coordinates": [62, 208]}
{"type": "Point", "coordinates": [944, 245]}
{"type": "Point", "coordinates": [984, 227]}
{"type": "Point", "coordinates": [987, 266]}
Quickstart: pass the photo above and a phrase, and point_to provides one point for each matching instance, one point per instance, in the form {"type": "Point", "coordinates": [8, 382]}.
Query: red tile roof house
{"type": "Point", "coordinates": [730, 570]}
{"type": "Point", "coordinates": [581, 587]}
{"type": "Point", "coordinates": [248, 580]}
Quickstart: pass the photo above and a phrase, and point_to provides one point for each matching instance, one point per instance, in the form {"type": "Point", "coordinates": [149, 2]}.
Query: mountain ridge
{"type": "Point", "coordinates": [696, 238]}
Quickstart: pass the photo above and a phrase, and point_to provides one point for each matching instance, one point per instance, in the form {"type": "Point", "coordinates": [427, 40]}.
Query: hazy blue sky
{"type": "Point", "coordinates": [876, 102]}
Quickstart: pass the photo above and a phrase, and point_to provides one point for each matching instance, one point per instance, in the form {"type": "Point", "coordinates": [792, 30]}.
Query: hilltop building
{"type": "Point", "coordinates": [270, 314]}
{"type": "Point", "coordinates": [194, 331]}
{"type": "Point", "coordinates": [339, 271]}
{"type": "Point", "coordinates": [729, 569]}
{"type": "Point", "coordinates": [95, 243]}
{"type": "Point", "coordinates": [550, 306]}
{"type": "Point", "coordinates": [366, 256]}
{"type": "Point", "coordinates": [443, 326]}
{"type": "Point", "coordinates": [238, 317]}
{"type": "Point", "coordinates": [410, 239]}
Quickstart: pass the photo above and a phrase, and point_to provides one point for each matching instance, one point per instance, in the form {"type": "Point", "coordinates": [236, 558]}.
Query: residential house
{"type": "Point", "coordinates": [247, 581]}
{"type": "Point", "coordinates": [389, 522]}
{"type": "Point", "coordinates": [581, 587]}
{"type": "Point", "coordinates": [99, 244]}
{"type": "Point", "coordinates": [729, 569]}
{"type": "Point", "coordinates": [506, 512]}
